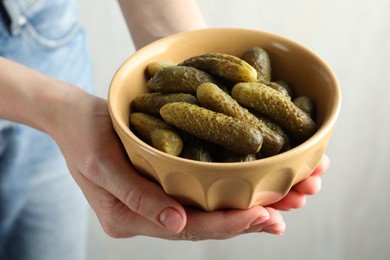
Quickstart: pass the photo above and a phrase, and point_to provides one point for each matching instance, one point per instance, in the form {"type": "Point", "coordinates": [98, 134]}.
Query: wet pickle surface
{"type": "Point", "coordinates": [305, 104]}
{"type": "Point", "coordinates": [277, 106]}
{"type": "Point", "coordinates": [212, 97]}
{"type": "Point", "coordinates": [178, 79]}
{"type": "Point", "coordinates": [221, 107]}
{"type": "Point", "coordinates": [152, 102]}
{"type": "Point", "coordinates": [223, 65]}
{"type": "Point", "coordinates": [258, 58]}
{"type": "Point", "coordinates": [155, 66]}
{"type": "Point", "coordinates": [157, 133]}
{"type": "Point", "coordinates": [218, 128]}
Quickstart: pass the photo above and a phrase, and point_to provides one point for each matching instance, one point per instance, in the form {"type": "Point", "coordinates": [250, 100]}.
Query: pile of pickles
{"type": "Point", "coordinates": [217, 107]}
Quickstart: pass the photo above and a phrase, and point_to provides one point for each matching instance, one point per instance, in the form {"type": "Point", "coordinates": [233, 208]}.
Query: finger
{"type": "Point", "coordinates": [309, 186]}
{"type": "Point", "coordinates": [312, 184]}
{"type": "Point", "coordinates": [322, 166]}
{"type": "Point", "coordinates": [202, 225]}
{"type": "Point", "coordinates": [274, 225]}
{"type": "Point", "coordinates": [221, 224]}
{"type": "Point", "coordinates": [292, 200]}
{"type": "Point", "coordinates": [119, 221]}
{"type": "Point", "coordinates": [116, 175]}
{"type": "Point", "coordinates": [148, 200]}
{"type": "Point", "coordinates": [276, 229]}
{"type": "Point", "coordinates": [116, 219]}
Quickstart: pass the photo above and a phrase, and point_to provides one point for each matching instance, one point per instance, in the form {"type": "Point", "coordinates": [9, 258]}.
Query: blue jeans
{"type": "Point", "coordinates": [43, 214]}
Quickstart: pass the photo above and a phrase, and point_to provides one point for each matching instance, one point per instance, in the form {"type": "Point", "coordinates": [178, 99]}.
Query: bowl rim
{"type": "Point", "coordinates": [326, 127]}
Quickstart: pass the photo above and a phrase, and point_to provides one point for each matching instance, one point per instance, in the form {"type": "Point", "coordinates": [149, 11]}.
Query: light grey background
{"type": "Point", "coordinates": [349, 218]}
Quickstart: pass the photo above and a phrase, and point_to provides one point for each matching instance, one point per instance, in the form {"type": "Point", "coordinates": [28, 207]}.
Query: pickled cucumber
{"type": "Point", "coordinates": [157, 133]}
{"type": "Point", "coordinates": [229, 156]}
{"type": "Point", "coordinates": [231, 133]}
{"type": "Point", "coordinates": [287, 86]}
{"type": "Point", "coordinates": [304, 103]}
{"type": "Point", "coordinates": [223, 65]}
{"type": "Point", "coordinates": [258, 58]}
{"type": "Point", "coordinates": [167, 140]}
{"type": "Point", "coordinates": [157, 65]}
{"type": "Point", "coordinates": [287, 145]}
{"type": "Point", "coordinates": [196, 149]}
{"type": "Point", "coordinates": [152, 102]}
{"type": "Point", "coordinates": [277, 87]}
{"type": "Point", "coordinates": [212, 97]}
{"type": "Point", "coordinates": [244, 115]}
{"type": "Point", "coordinates": [178, 79]}
{"type": "Point", "coordinates": [277, 106]}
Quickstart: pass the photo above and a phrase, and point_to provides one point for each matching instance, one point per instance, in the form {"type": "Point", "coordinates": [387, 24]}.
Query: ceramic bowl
{"type": "Point", "coordinates": [238, 185]}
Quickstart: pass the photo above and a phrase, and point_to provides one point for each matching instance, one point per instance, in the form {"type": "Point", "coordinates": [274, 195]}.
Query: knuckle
{"type": "Point", "coordinates": [111, 229]}
{"type": "Point", "coordinates": [135, 198]}
{"type": "Point", "coordinates": [92, 167]}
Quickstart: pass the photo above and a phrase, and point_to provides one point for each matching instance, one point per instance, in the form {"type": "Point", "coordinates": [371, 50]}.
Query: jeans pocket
{"type": "Point", "coordinates": [55, 24]}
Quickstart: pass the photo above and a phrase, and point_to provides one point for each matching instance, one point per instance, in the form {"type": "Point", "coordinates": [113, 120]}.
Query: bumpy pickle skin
{"type": "Point", "coordinates": [258, 58]}
{"type": "Point", "coordinates": [286, 86]}
{"type": "Point", "coordinates": [157, 133]}
{"type": "Point", "coordinates": [287, 145]}
{"type": "Point", "coordinates": [155, 66]}
{"type": "Point", "coordinates": [212, 97]}
{"type": "Point", "coordinates": [277, 87]}
{"type": "Point", "coordinates": [228, 132]}
{"type": "Point", "coordinates": [223, 65]}
{"type": "Point", "coordinates": [178, 79]}
{"type": "Point", "coordinates": [304, 103]}
{"type": "Point", "coordinates": [152, 102]}
{"type": "Point", "coordinates": [276, 106]}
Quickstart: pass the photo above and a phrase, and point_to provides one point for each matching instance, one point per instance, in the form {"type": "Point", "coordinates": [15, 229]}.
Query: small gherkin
{"type": "Point", "coordinates": [152, 102]}
{"type": "Point", "coordinates": [212, 97]}
{"type": "Point", "coordinates": [304, 103]}
{"type": "Point", "coordinates": [231, 133]}
{"type": "Point", "coordinates": [223, 65]}
{"type": "Point", "coordinates": [277, 106]}
{"type": "Point", "coordinates": [178, 79]}
{"type": "Point", "coordinates": [157, 133]}
{"type": "Point", "coordinates": [258, 58]}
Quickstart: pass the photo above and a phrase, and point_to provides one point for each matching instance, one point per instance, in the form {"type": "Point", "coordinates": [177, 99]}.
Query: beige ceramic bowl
{"type": "Point", "coordinates": [229, 185]}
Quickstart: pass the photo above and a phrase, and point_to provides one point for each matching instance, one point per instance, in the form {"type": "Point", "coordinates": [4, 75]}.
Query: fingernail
{"type": "Point", "coordinates": [171, 219]}
{"type": "Point", "coordinates": [277, 229]}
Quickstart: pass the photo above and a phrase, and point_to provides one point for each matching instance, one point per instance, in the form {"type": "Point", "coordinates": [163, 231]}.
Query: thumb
{"type": "Point", "coordinates": [140, 195]}
{"type": "Point", "coordinates": [150, 201]}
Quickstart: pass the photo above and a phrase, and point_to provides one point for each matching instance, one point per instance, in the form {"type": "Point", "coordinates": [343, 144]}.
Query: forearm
{"type": "Point", "coordinates": [149, 20]}
{"type": "Point", "coordinates": [29, 97]}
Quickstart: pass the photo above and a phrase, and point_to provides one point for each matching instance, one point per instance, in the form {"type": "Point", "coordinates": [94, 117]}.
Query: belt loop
{"type": "Point", "coordinates": [17, 19]}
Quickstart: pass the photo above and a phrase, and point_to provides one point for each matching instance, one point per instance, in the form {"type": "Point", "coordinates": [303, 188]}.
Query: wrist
{"type": "Point", "coordinates": [59, 105]}
{"type": "Point", "coordinates": [31, 98]}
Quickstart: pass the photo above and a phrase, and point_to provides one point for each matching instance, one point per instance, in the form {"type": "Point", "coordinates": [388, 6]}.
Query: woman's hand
{"type": "Point", "coordinates": [127, 204]}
